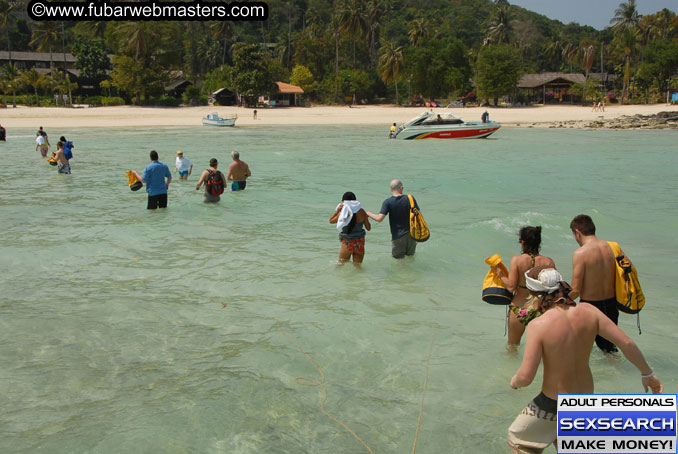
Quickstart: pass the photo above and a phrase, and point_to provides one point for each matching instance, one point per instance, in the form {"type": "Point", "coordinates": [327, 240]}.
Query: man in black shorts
{"type": "Point", "coordinates": [398, 206]}
{"type": "Point", "coordinates": [154, 177]}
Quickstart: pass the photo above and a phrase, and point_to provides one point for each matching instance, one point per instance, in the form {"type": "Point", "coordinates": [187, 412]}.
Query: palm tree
{"type": "Point", "coordinates": [352, 21]}
{"type": "Point", "coordinates": [6, 9]}
{"type": "Point", "coordinates": [625, 16]}
{"type": "Point", "coordinates": [500, 30]}
{"type": "Point", "coordinates": [222, 30]}
{"type": "Point", "coordinates": [32, 78]}
{"type": "Point", "coordinates": [5, 87]}
{"type": "Point", "coordinates": [553, 49]}
{"type": "Point", "coordinates": [391, 64]}
{"type": "Point", "coordinates": [45, 34]}
{"type": "Point", "coordinates": [418, 32]}
{"type": "Point", "coordinates": [372, 14]}
{"type": "Point", "coordinates": [629, 43]}
{"type": "Point", "coordinates": [135, 39]}
{"type": "Point", "coordinates": [588, 56]}
{"type": "Point", "coordinates": [11, 74]}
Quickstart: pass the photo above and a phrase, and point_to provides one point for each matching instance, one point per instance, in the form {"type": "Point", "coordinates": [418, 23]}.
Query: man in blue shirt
{"type": "Point", "coordinates": [398, 206]}
{"type": "Point", "coordinates": [154, 176]}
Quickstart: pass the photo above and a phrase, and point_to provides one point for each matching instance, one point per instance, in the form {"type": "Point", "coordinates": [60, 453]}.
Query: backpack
{"type": "Point", "coordinates": [215, 183]}
{"type": "Point", "coordinates": [418, 228]}
{"type": "Point", "coordinates": [629, 295]}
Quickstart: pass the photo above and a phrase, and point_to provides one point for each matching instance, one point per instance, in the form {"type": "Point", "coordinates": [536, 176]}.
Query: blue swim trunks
{"type": "Point", "coordinates": [183, 173]}
{"type": "Point", "coordinates": [238, 185]}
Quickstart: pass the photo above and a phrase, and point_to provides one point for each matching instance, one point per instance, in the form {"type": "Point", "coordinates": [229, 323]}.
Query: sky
{"type": "Point", "coordinates": [596, 13]}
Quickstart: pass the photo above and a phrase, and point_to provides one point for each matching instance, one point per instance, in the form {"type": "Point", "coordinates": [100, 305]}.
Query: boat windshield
{"type": "Point", "coordinates": [441, 119]}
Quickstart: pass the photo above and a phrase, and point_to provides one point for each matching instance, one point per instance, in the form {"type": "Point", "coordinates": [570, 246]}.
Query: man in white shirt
{"type": "Point", "coordinates": [183, 165]}
{"type": "Point", "coordinates": [41, 144]}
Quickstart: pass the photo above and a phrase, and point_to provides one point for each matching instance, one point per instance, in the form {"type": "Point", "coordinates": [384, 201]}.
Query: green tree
{"type": "Point", "coordinates": [92, 60]}
{"type": "Point", "coordinates": [501, 30]}
{"type": "Point", "coordinates": [35, 80]}
{"type": "Point", "coordinates": [45, 35]}
{"type": "Point", "coordinates": [351, 17]}
{"type": "Point", "coordinates": [625, 16]}
{"type": "Point", "coordinates": [302, 77]}
{"type": "Point", "coordinates": [6, 9]}
{"type": "Point", "coordinates": [497, 71]}
{"type": "Point", "coordinates": [660, 62]}
{"type": "Point", "coordinates": [13, 78]}
{"type": "Point", "coordinates": [419, 31]}
{"type": "Point", "coordinates": [390, 65]}
{"type": "Point", "coordinates": [251, 71]}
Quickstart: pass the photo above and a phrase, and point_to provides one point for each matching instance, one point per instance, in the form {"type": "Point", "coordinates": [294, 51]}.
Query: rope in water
{"type": "Point", "coordinates": [310, 382]}
{"type": "Point", "coordinates": [423, 392]}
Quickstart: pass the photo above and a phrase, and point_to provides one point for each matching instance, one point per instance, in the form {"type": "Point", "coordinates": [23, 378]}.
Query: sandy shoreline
{"type": "Point", "coordinates": [128, 116]}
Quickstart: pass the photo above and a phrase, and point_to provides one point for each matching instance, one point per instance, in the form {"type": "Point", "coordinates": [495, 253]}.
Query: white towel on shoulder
{"type": "Point", "coordinates": [350, 208]}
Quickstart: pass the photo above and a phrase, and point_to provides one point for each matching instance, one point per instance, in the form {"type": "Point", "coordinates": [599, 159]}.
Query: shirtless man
{"type": "Point", "coordinates": [593, 273]}
{"type": "Point", "coordinates": [238, 172]}
{"type": "Point", "coordinates": [62, 163]}
{"type": "Point", "coordinates": [562, 337]}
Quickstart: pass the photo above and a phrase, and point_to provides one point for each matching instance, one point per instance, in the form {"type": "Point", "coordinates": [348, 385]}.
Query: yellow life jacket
{"type": "Point", "coordinates": [52, 161]}
{"type": "Point", "coordinates": [629, 295]}
{"type": "Point", "coordinates": [494, 290]}
{"type": "Point", "coordinates": [418, 228]}
{"type": "Point", "coordinates": [134, 183]}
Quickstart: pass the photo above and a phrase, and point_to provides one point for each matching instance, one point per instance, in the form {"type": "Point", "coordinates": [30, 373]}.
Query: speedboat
{"type": "Point", "coordinates": [214, 119]}
{"type": "Point", "coordinates": [443, 125]}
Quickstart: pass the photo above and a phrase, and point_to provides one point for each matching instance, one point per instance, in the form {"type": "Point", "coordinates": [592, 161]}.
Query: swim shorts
{"type": "Point", "coordinates": [183, 173]}
{"type": "Point", "coordinates": [238, 186]}
{"type": "Point", "coordinates": [355, 246]}
{"type": "Point", "coordinates": [209, 198]}
{"type": "Point", "coordinates": [43, 150]}
{"type": "Point", "coordinates": [157, 201]}
{"type": "Point", "coordinates": [535, 428]}
{"type": "Point", "coordinates": [609, 308]}
{"type": "Point", "coordinates": [64, 168]}
{"type": "Point", "coordinates": [405, 245]}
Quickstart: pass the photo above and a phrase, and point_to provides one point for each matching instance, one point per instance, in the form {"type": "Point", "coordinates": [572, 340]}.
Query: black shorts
{"type": "Point", "coordinates": [157, 201]}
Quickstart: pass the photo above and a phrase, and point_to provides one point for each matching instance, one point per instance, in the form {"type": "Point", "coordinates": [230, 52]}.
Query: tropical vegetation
{"type": "Point", "coordinates": [338, 51]}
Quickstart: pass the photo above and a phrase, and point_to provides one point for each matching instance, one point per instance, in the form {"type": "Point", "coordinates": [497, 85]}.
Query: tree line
{"type": "Point", "coordinates": [350, 50]}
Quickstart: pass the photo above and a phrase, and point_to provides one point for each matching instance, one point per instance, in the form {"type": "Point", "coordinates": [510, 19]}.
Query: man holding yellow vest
{"type": "Point", "coordinates": [398, 206]}
{"type": "Point", "coordinates": [594, 270]}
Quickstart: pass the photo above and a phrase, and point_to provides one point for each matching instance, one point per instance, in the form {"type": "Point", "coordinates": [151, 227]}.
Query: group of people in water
{"type": "Point", "coordinates": [353, 222]}
{"type": "Point", "coordinates": [561, 332]}
{"type": "Point", "coordinates": [158, 177]}
{"type": "Point", "coordinates": [61, 157]}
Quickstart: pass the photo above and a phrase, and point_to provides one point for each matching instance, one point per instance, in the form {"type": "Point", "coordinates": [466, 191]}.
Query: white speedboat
{"type": "Point", "coordinates": [214, 119]}
{"type": "Point", "coordinates": [443, 125]}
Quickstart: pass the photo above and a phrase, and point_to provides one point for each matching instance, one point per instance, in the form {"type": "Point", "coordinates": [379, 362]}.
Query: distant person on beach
{"type": "Point", "coordinates": [183, 165]}
{"type": "Point", "coordinates": [594, 270]}
{"type": "Point", "coordinates": [352, 221]}
{"type": "Point", "coordinates": [214, 182]}
{"type": "Point", "coordinates": [254, 116]}
{"type": "Point", "coordinates": [68, 148]}
{"type": "Point", "coordinates": [41, 144]}
{"type": "Point", "coordinates": [62, 163]}
{"type": "Point", "coordinates": [398, 206]}
{"type": "Point", "coordinates": [595, 107]}
{"type": "Point", "coordinates": [561, 336]}
{"type": "Point", "coordinates": [485, 117]}
{"type": "Point", "coordinates": [530, 242]}
{"type": "Point", "coordinates": [392, 131]}
{"type": "Point", "coordinates": [157, 177]}
{"type": "Point", "coordinates": [238, 172]}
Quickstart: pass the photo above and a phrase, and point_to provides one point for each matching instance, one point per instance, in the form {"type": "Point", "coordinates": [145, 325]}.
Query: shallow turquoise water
{"type": "Point", "coordinates": [113, 337]}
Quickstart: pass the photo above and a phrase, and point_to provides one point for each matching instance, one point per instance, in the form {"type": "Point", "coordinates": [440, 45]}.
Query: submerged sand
{"type": "Point", "coordinates": [129, 116]}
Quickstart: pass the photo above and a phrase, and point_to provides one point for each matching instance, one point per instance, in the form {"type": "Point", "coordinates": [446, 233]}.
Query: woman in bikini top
{"type": "Point", "coordinates": [530, 240]}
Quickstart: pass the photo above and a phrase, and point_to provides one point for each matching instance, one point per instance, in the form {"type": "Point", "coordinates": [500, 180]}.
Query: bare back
{"type": "Point", "coordinates": [519, 265]}
{"type": "Point", "coordinates": [593, 271]}
{"type": "Point", "coordinates": [238, 171]}
{"type": "Point", "coordinates": [565, 336]}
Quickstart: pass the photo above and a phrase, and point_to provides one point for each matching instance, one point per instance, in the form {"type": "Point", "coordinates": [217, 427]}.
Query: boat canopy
{"type": "Point", "coordinates": [433, 118]}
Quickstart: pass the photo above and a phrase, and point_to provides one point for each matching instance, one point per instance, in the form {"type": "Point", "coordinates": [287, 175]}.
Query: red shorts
{"type": "Point", "coordinates": [355, 246]}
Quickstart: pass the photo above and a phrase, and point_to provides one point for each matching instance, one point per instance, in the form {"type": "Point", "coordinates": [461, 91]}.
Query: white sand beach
{"type": "Point", "coordinates": [129, 116]}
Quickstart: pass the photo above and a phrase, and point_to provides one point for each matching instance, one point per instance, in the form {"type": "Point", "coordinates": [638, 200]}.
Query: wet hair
{"type": "Point", "coordinates": [60, 144]}
{"type": "Point", "coordinates": [213, 162]}
{"type": "Point", "coordinates": [348, 196]}
{"type": "Point", "coordinates": [531, 238]}
{"type": "Point", "coordinates": [584, 224]}
{"type": "Point", "coordinates": [63, 139]}
{"type": "Point", "coordinates": [154, 155]}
